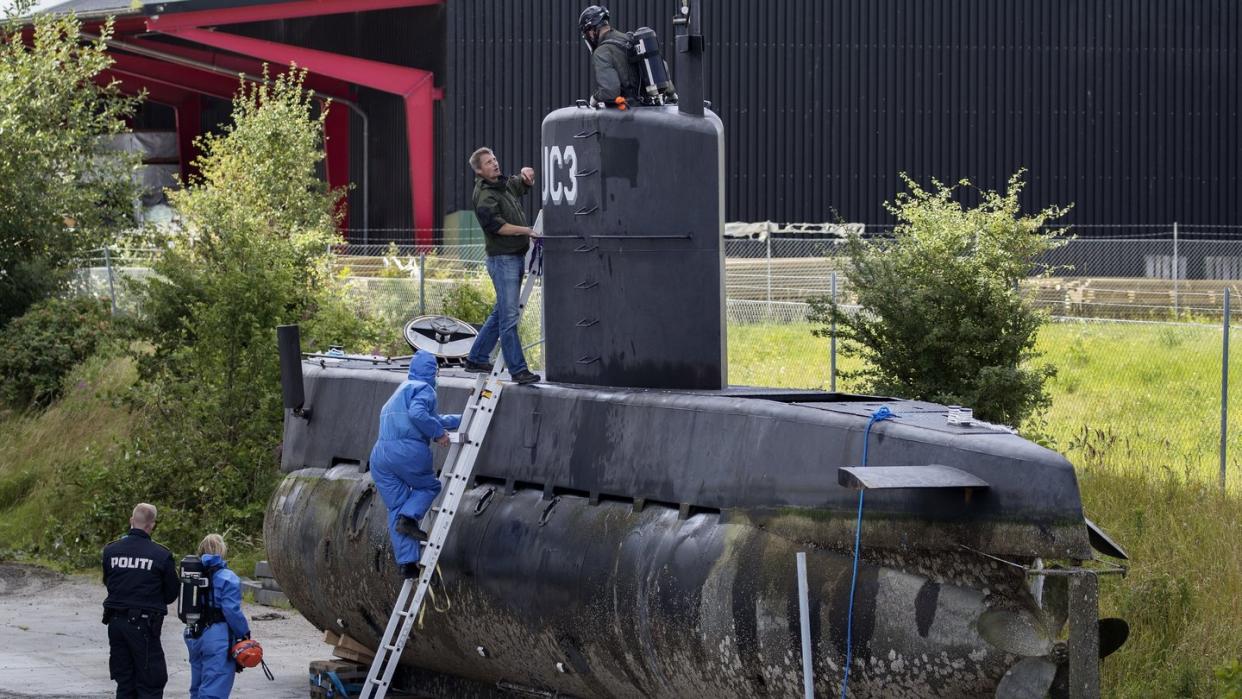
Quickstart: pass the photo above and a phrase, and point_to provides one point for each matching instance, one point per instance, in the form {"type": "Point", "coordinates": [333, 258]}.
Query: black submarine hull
{"type": "Point", "coordinates": [626, 542]}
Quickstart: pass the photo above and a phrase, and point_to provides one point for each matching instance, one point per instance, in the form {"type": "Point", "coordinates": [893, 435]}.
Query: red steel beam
{"type": "Point", "coordinates": [384, 77]}
{"type": "Point", "coordinates": [283, 10]}
{"type": "Point", "coordinates": [241, 64]}
{"type": "Point", "coordinates": [180, 87]}
{"type": "Point", "coordinates": [173, 74]}
{"type": "Point", "coordinates": [414, 86]}
{"type": "Point", "coordinates": [189, 125]}
{"type": "Point", "coordinates": [156, 92]}
{"type": "Point", "coordinates": [336, 151]}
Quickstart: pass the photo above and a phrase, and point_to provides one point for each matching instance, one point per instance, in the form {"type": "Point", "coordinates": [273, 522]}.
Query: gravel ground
{"type": "Point", "coordinates": [55, 647]}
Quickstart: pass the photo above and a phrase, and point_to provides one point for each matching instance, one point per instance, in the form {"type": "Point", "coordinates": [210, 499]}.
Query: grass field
{"type": "Point", "coordinates": [1150, 390]}
{"type": "Point", "coordinates": [1135, 407]}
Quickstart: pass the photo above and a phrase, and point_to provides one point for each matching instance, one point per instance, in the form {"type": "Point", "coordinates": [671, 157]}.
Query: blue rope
{"type": "Point", "coordinates": [883, 413]}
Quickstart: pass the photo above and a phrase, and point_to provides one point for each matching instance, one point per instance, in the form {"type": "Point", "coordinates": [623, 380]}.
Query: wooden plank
{"type": "Point", "coordinates": [345, 647]}
{"type": "Point", "coordinates": [346, 654]}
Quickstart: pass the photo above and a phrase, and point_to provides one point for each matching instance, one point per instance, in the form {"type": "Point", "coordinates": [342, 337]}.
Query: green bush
{"type": "Point", "coordinates": [38, 349]}
{"type": "Point", "coordinates": [1229, 677]}
{"type": "Point", "coordinates": [259, 223]}
{"type": "Point", "coordinates": [941, 315]}
{"type": "Point", "coordinates": [470, 301]}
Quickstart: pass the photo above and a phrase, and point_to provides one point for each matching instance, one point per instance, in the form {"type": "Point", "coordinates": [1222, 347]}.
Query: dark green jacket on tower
{"type": "Point", "coordinates": [495, 204]}
{"type": "Point", "coordinates": [612, 73]}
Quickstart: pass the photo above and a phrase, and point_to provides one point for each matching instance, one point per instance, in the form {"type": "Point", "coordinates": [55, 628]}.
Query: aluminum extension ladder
{"type": "Point", "coordinates": [476, 418]}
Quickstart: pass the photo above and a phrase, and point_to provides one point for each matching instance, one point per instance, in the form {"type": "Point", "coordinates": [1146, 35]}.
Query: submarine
{"type": "Point", "coordinates": [632, 523]}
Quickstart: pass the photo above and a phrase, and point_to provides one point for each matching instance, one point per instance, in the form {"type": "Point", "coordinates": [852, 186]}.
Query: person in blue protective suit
{"type": "Point", "coordinates": [401, 462]}
{"type": "Point", "coordinates": [211, 663]}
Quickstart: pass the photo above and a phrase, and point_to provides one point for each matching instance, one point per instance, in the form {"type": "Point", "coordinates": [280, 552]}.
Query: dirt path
{"type": "Point", "coordinates": [54, 645]}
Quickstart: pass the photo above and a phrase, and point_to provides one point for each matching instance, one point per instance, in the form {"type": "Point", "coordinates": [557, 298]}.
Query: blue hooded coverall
{"type": "Point", "coordinates": [401, 458]}
{"type": "Point", "coordinates": [211, 668]}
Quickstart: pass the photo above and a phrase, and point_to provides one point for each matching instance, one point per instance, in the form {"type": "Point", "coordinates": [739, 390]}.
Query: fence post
{"type": "Point", "coordinates": [804, 608]}
{"type": "Point", "coordinates": [1177, 275]}
{"type": "Point", "coordinates": [768, 240]}
{"type": "Point", "coordinates": [832, 339]}
{"type": "Point", "coordinates": [422, 283]}
{"type": "Point", "coordinates": [111, 285]}
{"type": "Point", "coordinates": [1224, 391]}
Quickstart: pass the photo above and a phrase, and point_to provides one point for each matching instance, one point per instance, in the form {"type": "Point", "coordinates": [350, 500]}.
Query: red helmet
{"type": "Point", "coordinates": [247, 653]}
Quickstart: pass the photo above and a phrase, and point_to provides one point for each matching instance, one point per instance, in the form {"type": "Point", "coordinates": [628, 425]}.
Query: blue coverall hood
{"type": "Point", "coordinates": [211, 559]}
{"type": "Point", "coordinates": [423, 368]}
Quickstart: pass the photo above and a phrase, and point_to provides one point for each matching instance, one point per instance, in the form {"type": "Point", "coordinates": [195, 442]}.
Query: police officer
{"type": "Point", "coordinates": [612, 73]}
{"type": "Point", "coordinates": [141, 578]}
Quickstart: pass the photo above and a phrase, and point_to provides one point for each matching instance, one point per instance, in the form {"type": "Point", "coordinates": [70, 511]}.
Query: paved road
{"type": "Point", "coordinates": [54, 645]}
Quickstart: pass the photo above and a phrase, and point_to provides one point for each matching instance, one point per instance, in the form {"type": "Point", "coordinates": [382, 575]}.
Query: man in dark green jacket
{"type": "Point", "coordinates": [507, 239]}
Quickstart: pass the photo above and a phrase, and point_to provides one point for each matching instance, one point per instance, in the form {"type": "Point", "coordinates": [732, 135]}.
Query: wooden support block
{"type": "Point", "coordinates": [345, 647]}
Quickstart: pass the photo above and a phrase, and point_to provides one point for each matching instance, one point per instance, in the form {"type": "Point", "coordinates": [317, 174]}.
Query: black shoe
{"type": "Point", "coordinates": [479, 367]}
{"type": "Point", "coordinates": [409, 527]}
{"type": "Point", "coordinates": [410, 570]}
{"type": "Point", "coordinates": [525, 376]}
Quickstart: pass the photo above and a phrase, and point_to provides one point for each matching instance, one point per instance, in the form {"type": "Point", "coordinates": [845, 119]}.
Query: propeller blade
{"type": "Point", "coordinates": [1016, 632]}
{"type": "Point", "coordinates": [1113, 635]}
{"type": "Point", "coordinates": [1055, 602]}
{"type": "Point", "coordinates": [1029, 678]}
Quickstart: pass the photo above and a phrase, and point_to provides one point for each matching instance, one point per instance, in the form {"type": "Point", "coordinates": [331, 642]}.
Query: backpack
{"type": "Point", "coordinates": [644, 50]}
{"type": "Point", "coordinates": [195, 605]}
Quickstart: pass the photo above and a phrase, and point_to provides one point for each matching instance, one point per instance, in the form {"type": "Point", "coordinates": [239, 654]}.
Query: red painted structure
{"type": "Point", "coordinates": [181, 87]}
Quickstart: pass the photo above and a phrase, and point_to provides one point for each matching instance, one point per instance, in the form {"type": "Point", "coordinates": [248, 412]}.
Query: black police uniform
{"type": "Point", "coordinates": [141, 578]}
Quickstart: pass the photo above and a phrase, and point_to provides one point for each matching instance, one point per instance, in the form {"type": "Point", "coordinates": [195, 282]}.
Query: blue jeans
{"type": "Point", "coordinates": [506, 273]}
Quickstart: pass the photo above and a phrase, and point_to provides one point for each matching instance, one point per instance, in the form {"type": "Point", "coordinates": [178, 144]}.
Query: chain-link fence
{"type": "Point", "coordinates": [105, 273]}
{"type": "Point", "coordinates": [1120, 272]}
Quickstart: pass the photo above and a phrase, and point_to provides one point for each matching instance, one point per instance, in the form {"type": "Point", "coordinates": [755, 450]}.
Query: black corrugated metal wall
{"type": "Point", "coordinates": [412, 37]}
{"type": "Point", "coordinates": [1126, 108]}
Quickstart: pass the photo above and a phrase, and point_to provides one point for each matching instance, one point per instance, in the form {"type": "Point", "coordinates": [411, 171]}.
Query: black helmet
{"type": "Point", "coordinates": [592, 17]}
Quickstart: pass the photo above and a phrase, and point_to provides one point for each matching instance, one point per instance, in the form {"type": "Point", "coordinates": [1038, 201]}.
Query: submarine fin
{"type": "Point", "coordinates": [1029, 678]}
{"type": "Point", "coordinates": [1104, 543]}
{"type": "Point", "coordinates": [1113, 635]}
{"type": "Point", "coordinates": [932, 476]}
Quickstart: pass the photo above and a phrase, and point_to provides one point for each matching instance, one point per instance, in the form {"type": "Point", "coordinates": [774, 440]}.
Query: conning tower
{"type": "Point", "coordinates": [633, 209]}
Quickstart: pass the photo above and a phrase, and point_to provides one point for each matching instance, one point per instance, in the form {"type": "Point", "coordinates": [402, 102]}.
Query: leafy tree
{"type": "Point", "coordinates": [941, 313]}
{"type": "Point", "coordinates": [255, 254]}
{"type": "Point", "coordinates": [61, 190]}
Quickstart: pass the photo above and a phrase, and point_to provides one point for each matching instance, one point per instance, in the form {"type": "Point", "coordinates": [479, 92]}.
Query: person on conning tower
{"type": "Point", "coordinates": [612, 73]}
